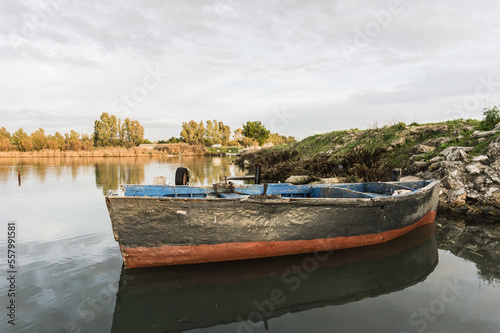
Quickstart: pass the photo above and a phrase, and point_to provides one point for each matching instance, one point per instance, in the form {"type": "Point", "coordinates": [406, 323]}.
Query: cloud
{"type": "Point", "coordinates": [232, 59]}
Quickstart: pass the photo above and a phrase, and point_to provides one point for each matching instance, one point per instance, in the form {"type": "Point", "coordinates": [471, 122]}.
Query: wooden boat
{"type": "Point", "coordinates": [238, 293]}
{"type": "Point", "coordinates": [169, 225]}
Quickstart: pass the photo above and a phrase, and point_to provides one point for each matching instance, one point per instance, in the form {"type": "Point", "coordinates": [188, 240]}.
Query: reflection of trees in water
{"type": "Point", "coordinates": [109, 174]}
{"type": "Point", "coordinates": [10, 167]}
{"type": "Point", "coordinates": [40, 166]}
{"type": "Point", "coordinates": [5, 174]}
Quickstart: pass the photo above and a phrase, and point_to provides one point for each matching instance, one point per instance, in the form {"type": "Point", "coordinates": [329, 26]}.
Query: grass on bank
{"type": "Point", "coordinates": [368, 155]}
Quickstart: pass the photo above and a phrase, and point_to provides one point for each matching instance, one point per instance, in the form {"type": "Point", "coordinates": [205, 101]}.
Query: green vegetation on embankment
{"type": "Point", "coordinates": [371, 154]}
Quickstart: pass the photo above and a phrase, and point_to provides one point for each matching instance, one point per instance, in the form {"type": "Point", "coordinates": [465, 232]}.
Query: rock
{"type": "Point", "coordinates": [478, 134]}
{"type": "Point", "coordinates": [434, 166]}
{"type": "Point", "coordinates": [431, 174]}
{"type": "Point", "coordinates": [496, 179]}
{"type": "Point", "coordinates": [455, 176]}
{"type": "Point", "coordinates": [161, 180]}
{"type": "Point", "coordinates": [436, 142]}
{"type": "Point", "coordinates": [493, 199]}
{"type": "Point", "coordinates": [410, 179]}
{"type": "Point", "coordinates": [458, 201]}
{"type": "Point", "coordinates": [421, 164]}
{"type": "Point", "coordinates": [421, 149]}
{"type": "Point", "coordinates": [473, 195]}
{"type": "Point", "coordinates": [398, 142]}
{"type": "Point", "coordinates": [491, 191]}
{"type": "Point", "coordinates": [300, 180]}
{"type": "Point", "coordinates": [334, 180]}
{"type": "Point", "coordinates": [442, 128]}
{"type": "Point", "coordinates": [473, 168]}
{"type": "Point", "coordinates": [480, 158]}
{"type": "Point", "coordinates": [435, 159]}
{"type": "Point", "coordinates": [493, 152]}
{"type": "Point", "coordinates": [456, 153]}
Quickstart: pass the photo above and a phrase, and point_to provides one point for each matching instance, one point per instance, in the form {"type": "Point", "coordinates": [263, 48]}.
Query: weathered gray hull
{"type": "Point", "coordinates": [155, 231]}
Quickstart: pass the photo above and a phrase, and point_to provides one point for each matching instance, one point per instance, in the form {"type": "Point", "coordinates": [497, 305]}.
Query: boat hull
{"type": "Point", "coordinates": [154, 231]}
{"type": "Point", "coordinates": [183, 298]}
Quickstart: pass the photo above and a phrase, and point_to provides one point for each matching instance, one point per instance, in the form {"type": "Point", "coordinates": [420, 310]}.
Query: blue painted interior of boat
{"type": "Point", "coordinates": [355, 190]}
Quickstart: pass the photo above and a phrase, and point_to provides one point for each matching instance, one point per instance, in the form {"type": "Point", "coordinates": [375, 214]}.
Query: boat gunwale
{"type": "Point", "coordinates": [299, 200]}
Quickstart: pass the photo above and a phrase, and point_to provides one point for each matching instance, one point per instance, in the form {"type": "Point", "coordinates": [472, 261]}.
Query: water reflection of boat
{"type": "Point", "coordinates": [180, 298]}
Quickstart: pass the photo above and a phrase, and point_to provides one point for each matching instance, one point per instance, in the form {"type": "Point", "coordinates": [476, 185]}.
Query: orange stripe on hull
{"type": "Point", "coordinates": [178, 255]}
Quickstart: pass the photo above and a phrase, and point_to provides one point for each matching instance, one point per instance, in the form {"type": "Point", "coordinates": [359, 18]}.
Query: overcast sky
{"type": "Point", "coordinates": [301, 67]}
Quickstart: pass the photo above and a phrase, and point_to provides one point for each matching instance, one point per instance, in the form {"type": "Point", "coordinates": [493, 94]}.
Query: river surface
{"type": "Point", "coordinates": [68, 276]}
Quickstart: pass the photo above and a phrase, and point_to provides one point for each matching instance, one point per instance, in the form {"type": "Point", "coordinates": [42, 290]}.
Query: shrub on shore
{"type": "Point", "coordinates": [181, 148]}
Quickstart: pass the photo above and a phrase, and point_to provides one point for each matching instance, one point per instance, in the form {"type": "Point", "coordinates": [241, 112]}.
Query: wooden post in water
{"type": "Point", "coordinates": [19, 177]}
{"type": "Point", "coordinates": [257, 173]}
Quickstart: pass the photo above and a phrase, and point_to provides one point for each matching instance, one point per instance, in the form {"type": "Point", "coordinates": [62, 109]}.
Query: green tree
{"type": "Point", "coordinates": [133, 132]}
{"type": "Point", "coordinates": [248, 142]}
{"type": "Point", "coordinates": [224, 133]}
{"type": "Point", "coordinates": [52, 144]}
{"type": "Point", "coordinates": [172, 140]}
{"type": "Point", "coordinates": [491, 118]}
{"type": "Point", "coordinates": [38, 139]}
{"type": "Point", "coordinates": [18, 136]}
{"type": "Point", "coordinates": [106, 131]}
{"type": "Point", "coordinates": [5, 145]}
{"type": "Point", "coordinates": [255, 130]}
{"type": "Point", "coordinates": [193, 132]}
{"type": "Point", "coordinates": [277, 139]}
{"type": "Point", "coordinates": [217, 133]}
{"type": "Point", "coordinates": [238, 134]}
{"type": "Point", "coordinates": [122, 137]}
{"type": "Point", "coordinates": [211, 133]}
{"type": "Point", "coordinates": [4, 134]}
{"type": "Point", "coordinates": [26, 144]}
{"type": "Point", "coordinates": [87, 141]}
{"type": "Point", "coordinates": [72, 141]}
{"type": "Point", "coordinates": [57, 141]}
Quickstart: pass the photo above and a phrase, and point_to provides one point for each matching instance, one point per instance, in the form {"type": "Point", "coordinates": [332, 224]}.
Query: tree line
{"type": "Point", "coordinates": [108, 131]}
{"type": "Point", "coordinates": [209, 133]}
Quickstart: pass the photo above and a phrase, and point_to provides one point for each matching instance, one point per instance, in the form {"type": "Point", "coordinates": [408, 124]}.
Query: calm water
{"type": "Point", "coordinates": [69, 275]}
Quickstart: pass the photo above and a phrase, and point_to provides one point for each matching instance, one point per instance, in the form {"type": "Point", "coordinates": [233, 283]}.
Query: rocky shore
{"type": "Point", "coordinates": [465, 159]}
{"type": "Point", "coordinates": [470, 185]}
